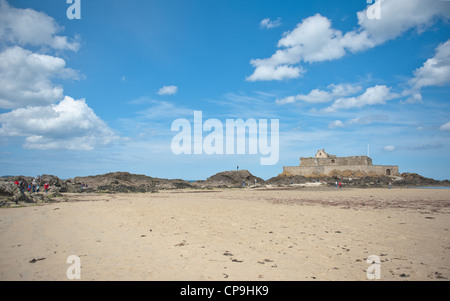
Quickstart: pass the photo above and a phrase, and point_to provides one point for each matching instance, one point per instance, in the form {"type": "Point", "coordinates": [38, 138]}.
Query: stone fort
{"type": "Point", "coordinates": [324, 164]}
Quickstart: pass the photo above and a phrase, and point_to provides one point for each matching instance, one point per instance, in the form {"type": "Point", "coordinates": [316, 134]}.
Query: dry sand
{"type": "Point", "coordinates": [231, 234]}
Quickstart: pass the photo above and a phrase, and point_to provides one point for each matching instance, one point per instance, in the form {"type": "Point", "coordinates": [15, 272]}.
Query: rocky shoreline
{"type": "Point", "coordinates": [124, 182]}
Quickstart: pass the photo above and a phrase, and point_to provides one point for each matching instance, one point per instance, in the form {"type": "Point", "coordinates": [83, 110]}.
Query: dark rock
{"type": "Point", "coordinates": [234, 178]}
{"type": "Point", "coordinates": [10, 192]}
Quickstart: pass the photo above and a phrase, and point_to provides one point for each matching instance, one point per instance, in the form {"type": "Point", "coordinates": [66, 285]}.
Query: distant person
{"type": "Point", "coordinates": [243, 184]}
{"type": "Point", "coordinates": [390, 185]}
{"type": "Point", "coordinates": [336, 184]}
{"type": "Point", "coordinates": [237, 167]}
{"type": "Point", "coordinates": [21, 187]}
{"type": "Point", "coordinates": [16, 182]}
{"type": "Point", "coordinates": [33, 185]}
{"type": "Point", "coordinates": [340, 184]}
{"type": "Point", "coordinates": [46, 187]}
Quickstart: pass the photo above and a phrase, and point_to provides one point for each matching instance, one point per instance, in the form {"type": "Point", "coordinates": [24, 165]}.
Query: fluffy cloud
{"type": "Point", "coordinates": [364, 120]}
{"type": "Point", "coordinates": [266, 72]}
{"type": "Point", "coordinates": [267, 23]}
{"type": "Point", "coordinates": [29, 27]}
{"type": "Point", "coordinates": [336, 124]}
{"type": "Point", "coordinates": [321, 96]}
{"type": "Point", "coordinates": [436, 70]}
{"type": "Point", "coordinates": [314, 39]}
{"type": "Point", "coordinates": [25, 78]}
{"type": "Point", "coordinates": [378, 94]}
{"type": "Point", "coordinates": [445, 127]}
{"type": "Point", "coordinates": [70, 124]}
{"type": "Point", "coordinates": [27, 87]}
{"type": "Point", "coordinates": [168, 90]}
{"type": "Point", "coordinates": [400, 16]}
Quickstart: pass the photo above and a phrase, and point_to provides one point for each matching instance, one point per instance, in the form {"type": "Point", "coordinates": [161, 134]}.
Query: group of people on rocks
{"type": "Point", "coordinates": [34, 187]}
{"type": "Point", "coordinates": [83, 186]}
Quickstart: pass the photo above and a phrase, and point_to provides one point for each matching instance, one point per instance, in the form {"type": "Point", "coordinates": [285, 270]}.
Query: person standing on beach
{"type": "Point", "coordinates": [336, 184]}
{"type": "Point", "coordinates": [340, 184]}
{"type": "Point", "coordinates": [33, 185]}
{"type": "Point", "coordinates": [390, 185]}
{"type": "Point", "coordinates": [46, 187]}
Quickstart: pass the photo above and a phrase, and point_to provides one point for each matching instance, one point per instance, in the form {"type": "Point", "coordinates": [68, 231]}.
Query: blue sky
{"type": "Point", "coordinates": [99, 94]}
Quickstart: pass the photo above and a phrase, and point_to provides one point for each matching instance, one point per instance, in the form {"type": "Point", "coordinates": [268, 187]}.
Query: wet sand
{"type": "Point", "coordinates": [231, 234]}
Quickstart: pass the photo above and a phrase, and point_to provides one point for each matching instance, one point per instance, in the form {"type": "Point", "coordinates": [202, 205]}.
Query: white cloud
{"type": "Point", "coordinates": [389, 148]}
{"type": "Point", "coordinates": [25, 78]}
{"type": "Point", "coordinates": [314, 39]}
{"type": "Point", "coordinates": [378, 94]}
{"type": "Point", "coordinates": [336, 124]}
{"type": "Point", "coordinates": [436, 70]}
{"type": "Point", "coordinates": [368, 119]}
{"type": "Point", "coordinates": [70, 124]}
{"type": "Point", "coordinates": [168, 90]}
{"type": "Point", "coordinates": [416, 147]}
{"type": "Point", "coordinates": [445, 127]}
{"type": "Point", "coordinates": [364, 120]}
{"type": "Point", "coordinates": [414, 96]}
{"type": "Point", "coordinates": [29, 27]}
{"type": "Point", "coordinates": [321, 96]}
{"type": "Point", "coordinates": [265, 72]}
{"type": "Point", "coordinates": [315, 96]}
{"type": "Point", "coordinates": [399, 16]}
{"type": "Point", "coordinates": [164, 110]}
{"type": "Point", "coordinates": [289, 99]}
{"type": "Point", "coordinates": [267, 23]}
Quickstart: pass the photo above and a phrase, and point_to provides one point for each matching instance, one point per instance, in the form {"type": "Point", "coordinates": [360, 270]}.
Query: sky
{"type": "Point", "coordinates": [91, 87]}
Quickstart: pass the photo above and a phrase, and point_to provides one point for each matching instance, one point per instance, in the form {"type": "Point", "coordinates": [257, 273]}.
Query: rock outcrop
{"type": "Point", "coordinates": [358, 179]}
{"type": "Point", "coordinates": [230, 179]}
{"type": "Point", "coordinates": [125, 182]}
{"type": "Point", "coordinates": [10, 192]}
{"type": "Point", "coordinates": [121, 182]}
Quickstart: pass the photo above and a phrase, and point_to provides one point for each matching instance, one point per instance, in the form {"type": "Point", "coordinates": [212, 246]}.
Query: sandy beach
{"type": "Point", "coordinates": [231, 234]}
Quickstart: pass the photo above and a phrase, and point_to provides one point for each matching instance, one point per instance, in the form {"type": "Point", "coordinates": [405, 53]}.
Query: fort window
{"type": "Point", "coordinates": [333, 161]}
{"type": "Point", "coordinates": [388, 172]}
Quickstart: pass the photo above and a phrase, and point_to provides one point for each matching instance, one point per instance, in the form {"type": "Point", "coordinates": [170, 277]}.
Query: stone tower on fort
{"type": "Point", "coordinates": [324, 164]}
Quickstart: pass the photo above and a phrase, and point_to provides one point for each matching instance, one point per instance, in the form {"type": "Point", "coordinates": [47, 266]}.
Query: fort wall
{"type": "Point", "coordinates": [324, 164]}
{"type": "Point", "coordinates": [386, 170]}
{"type": "Point", "coordinates": [336, 161]}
